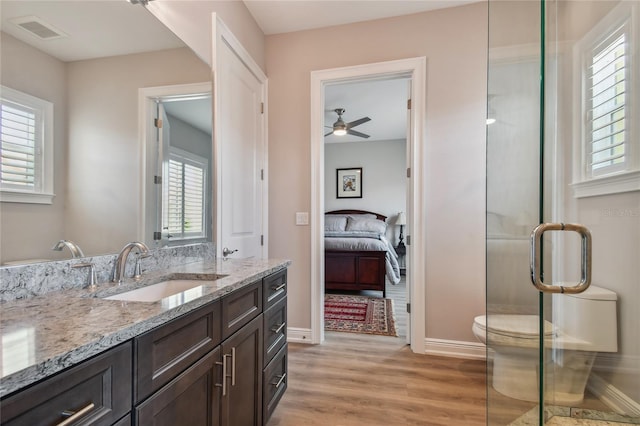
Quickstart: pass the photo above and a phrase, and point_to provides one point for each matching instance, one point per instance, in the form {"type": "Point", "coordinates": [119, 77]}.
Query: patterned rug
{"type": "Point", "coordinates": [359, 314]}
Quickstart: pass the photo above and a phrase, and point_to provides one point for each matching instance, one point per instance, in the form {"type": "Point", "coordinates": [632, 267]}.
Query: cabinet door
{"type": "Point", "coordinates": [96, 392]}
{"type": "Point", "coordinates": [192, 398]}
{"type": "Point", "coordinates": [242, 397]}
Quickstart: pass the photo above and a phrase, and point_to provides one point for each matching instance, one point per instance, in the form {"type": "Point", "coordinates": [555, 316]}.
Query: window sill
{"type": "Point", "coordinates": [8, 196]}
{"type": "Point", "coordinates": [615, 184]}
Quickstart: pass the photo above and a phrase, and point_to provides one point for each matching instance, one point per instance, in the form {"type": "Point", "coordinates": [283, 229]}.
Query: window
{"type": "Point", "coordinates": [607, 96]}
{"type": "Point", "coordinates": [608, 106]}
{"type": "Point", "coordinates": [184, 195]}
{"type": "Point", "coordinates": [26, 157]}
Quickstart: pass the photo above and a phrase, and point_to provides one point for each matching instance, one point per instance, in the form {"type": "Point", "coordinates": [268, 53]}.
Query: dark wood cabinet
{"type": "Point", "coordinates": [192, 398]}
{"type": "Point", "coordinates": [240, 307]}
{"type": "Point", "coordinates": [206, 367]}
{"type": "Point", "coordinates": [274, 382]}
{"type": "Point", "coordinates": [242, 358]}
{"type": "Point", "coordinates": [97, 392]}
{"type": "Point", "coordinates": [164, 352]}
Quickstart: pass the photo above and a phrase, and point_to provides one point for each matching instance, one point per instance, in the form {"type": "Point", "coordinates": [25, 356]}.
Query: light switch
{"type": "Point", "coordinates": [302, 218]}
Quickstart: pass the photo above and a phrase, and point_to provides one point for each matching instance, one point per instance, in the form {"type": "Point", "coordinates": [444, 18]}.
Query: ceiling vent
{"type": "Point", "coordinates": [38, 28]}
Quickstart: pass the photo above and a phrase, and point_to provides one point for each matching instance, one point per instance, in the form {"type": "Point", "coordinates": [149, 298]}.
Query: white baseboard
{"type": "Point", "coordinates": [455, 348]}
{"type": "Point", "coordinates": [612, 396]}
{"type": "Point", "coordinates": [299, 335]}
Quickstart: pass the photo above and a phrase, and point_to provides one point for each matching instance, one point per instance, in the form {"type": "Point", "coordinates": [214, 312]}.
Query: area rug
{"type": "Point", "coordinates": [359, 314]}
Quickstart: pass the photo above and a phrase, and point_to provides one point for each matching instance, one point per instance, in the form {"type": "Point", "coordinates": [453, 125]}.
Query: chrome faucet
{"type": "Point", "coordinates": [73, 247]}
{"type": "Point", "coordinates": [121, 261]}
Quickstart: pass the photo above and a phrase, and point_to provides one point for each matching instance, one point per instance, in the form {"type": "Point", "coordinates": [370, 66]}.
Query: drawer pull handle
{"type": "Point", "coordinates": [224, 374]}
{"type": "Point", "coordinates": [280, 380]}
{"type": "Point", "coordinates": [233, 366]}
{"type": "Point", "coordinates": [75, 415]}
{"type": "Point", "coordinates": [280, 287]}
{"type": "Point", "coordinates": [278, 329]}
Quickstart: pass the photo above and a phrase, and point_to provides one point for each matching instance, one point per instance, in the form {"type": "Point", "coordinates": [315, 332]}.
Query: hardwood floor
{"type": "Point", "coordinates": [356, 379]}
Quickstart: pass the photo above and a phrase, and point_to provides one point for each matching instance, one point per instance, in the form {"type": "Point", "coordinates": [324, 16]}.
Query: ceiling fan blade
{"type": "Point", "coordinates": [358, 122]}
{"type": "Point", "coordinates": [330, 133]}
{"type": "Point", "coordinates": [356, 133]}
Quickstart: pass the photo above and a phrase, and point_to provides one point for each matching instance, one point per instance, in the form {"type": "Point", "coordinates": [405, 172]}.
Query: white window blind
{"type": "Point", "coordinates": [26, 149]}
{"type": "Point", "coordinates": [20, 140]}
{"type": "Point", "coordinates": [608, 104]}
{"type": "Point", "coordinates": [184, 196]}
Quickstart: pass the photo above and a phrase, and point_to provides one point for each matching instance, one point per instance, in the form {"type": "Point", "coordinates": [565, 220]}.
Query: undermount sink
{"type": "Point", "coordinates": [161, 290]}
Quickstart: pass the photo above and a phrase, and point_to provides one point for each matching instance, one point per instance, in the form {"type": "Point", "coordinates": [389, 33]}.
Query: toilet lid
{"type": "Point", "coordinates": [522, 326]}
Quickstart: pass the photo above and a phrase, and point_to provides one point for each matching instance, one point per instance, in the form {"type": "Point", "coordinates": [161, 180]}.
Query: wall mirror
{"type": "Point", "coordinates": [90, 61]}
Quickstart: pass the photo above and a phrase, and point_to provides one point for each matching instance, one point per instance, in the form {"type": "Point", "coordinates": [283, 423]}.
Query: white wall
{"type": "Point", "coordinates": [384, 179]}
{"type": "Point", "coordinates": [28, 231]}
{"type": "Point", "coordinates": [454, 41]}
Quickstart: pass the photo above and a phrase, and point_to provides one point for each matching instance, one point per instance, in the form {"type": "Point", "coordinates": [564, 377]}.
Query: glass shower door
{"type": "Point", "coordinates": [563, 147]}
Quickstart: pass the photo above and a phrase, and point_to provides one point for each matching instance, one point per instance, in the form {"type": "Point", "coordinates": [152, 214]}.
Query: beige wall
{"type": "Point", "coordinates": [28, 231]}
{"type": "Point", "coordinates": [454, 43]}
{"type": "Point", "coordinates": [191, 21]}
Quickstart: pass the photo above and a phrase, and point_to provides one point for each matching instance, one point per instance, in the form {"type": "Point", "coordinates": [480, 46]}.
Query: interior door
{"type": "Point", "coordinates": [561, 151]}
{"type": "Point", "coordinates": [242, 152]}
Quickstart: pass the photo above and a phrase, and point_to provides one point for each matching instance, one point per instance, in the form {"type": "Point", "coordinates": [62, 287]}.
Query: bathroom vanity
{"type": "Point", "coordinates": [215, 357]}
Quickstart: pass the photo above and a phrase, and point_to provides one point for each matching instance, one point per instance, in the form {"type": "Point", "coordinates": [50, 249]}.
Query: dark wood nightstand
{"type": "Point", "coordinates": [401, 249]}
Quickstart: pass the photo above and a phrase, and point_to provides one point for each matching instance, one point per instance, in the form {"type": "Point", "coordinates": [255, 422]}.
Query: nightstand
{"type": "Point", "coordinates": [401, 249]}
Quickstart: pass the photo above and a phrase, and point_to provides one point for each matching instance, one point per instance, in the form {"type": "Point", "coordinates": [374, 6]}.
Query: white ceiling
{"type": "Point", "coordinates": [95, 28]}
{"type": "Point", "coordinates": [108, 28]}
{"type": "Point", "coordinates": [283, 16]}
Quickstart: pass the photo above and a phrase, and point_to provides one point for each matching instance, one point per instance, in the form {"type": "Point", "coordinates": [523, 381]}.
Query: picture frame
{"type": "Point", "coordinates": [349, 183]}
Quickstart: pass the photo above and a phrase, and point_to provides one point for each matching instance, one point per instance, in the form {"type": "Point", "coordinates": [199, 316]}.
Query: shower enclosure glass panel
{"type": "Point", "coordinates": [563, 146]}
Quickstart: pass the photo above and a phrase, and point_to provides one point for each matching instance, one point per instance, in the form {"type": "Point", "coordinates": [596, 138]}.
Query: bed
{"type": "Point", "coordinates": [357, 254]}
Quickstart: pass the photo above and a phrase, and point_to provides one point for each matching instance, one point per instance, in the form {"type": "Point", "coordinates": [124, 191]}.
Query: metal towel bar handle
{"type": "Point", "coordinates": [536, 258]}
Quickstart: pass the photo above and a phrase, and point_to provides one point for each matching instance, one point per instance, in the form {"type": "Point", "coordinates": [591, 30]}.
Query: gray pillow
{"type": "Point", "coordinates": [366, 224]}
{"type": "Point", "coordinates": [334, 223]}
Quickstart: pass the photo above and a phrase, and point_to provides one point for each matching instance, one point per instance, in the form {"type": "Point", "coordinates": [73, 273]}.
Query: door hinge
{"type": "Point", "coordinates": [408, 308]}
{"type": "Point", "coordinates": [408, 172]}
{"type": "Point", "coordinates": [261, 174]}
{"type": "Point", "coordinates": [408, 240]}
{"type": "Point", "coordinates": [157, 122]}
{"type": "Point", "coordinates": [261, 240]}
{"type": "Point", "coordinates": [261, 107]}
{"type": "Point", "coordinates": [408, 103]}
{"type": "Point", "coordinates": [157, 236]}
{"type": "Point", "coordinates": [157, 180]}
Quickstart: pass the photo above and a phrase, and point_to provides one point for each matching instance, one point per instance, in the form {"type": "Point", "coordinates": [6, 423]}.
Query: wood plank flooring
{"type": "Point", "coordinates": [356, 379]}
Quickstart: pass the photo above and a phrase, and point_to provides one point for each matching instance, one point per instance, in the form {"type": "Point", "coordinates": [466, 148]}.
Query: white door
{"type": "Point", "coordinates": [241, 161]}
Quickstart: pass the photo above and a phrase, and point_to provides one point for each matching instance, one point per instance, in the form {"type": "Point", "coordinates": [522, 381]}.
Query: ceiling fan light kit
{"type": "Point", "coordinates": [340, 128]}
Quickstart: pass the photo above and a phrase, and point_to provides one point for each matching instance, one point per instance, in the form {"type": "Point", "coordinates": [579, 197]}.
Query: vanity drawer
{"type": "Point", "coordinates": [240, 307]}
{"type": "Point", "coordinates": [275, 329]}
{"type": "Point", "coordinates": [100, 388]}
{"type": "Point", "coordinates": [275, 288]}
{"type": "Point", "coordinates": [274, 383]}
{"type": "Point", "coordinates": [166, 351]}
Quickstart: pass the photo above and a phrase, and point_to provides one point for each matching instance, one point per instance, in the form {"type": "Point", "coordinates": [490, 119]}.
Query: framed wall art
{"type": "Point", "coordinates": [349, 183]}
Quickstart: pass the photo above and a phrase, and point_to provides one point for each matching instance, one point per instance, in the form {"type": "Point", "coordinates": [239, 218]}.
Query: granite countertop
{"type": "Point", "coordinates": [46, 334]}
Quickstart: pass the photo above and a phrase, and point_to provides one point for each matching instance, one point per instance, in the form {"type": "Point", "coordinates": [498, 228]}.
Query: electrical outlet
{"type": "Point", "coordinates": [302, 218]}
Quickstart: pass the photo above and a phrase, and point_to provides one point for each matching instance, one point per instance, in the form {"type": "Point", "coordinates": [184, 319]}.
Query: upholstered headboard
{"type": "Point", "coordinates": [346, 212]}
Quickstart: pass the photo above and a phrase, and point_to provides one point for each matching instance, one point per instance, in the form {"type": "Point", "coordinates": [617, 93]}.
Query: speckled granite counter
{"type": "Point", "coordinates": [46, 334]}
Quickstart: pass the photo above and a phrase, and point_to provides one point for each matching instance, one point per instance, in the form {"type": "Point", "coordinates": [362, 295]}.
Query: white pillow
{"type": "Point", "coordinates": [334, 223]}
{"type": "Point", "coordinates": [366, 224]}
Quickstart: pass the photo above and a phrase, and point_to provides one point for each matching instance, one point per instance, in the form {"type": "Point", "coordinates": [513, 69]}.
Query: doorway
{"type": "Point", "coordinates": [414, 70]}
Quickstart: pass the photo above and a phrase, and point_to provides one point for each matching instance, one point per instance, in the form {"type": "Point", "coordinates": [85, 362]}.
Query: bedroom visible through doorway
{"type": "Point", "coordinates": [365, 196]}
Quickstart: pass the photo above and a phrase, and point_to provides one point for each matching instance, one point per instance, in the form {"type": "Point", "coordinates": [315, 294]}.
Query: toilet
{"type": "Point", "coordinates": [582, 325]}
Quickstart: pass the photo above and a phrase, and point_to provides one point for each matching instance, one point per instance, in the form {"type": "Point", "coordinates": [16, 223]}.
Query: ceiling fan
{"type": "Point", "coordinates": [340, 128]}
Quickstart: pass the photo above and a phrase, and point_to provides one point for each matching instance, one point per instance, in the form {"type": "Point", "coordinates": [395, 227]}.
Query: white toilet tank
{"type": "Point", "coordinates": [588, 320]}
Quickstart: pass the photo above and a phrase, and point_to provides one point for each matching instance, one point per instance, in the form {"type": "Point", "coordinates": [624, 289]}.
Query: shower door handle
{"type": "Point", "coordinates": [536, 258]}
